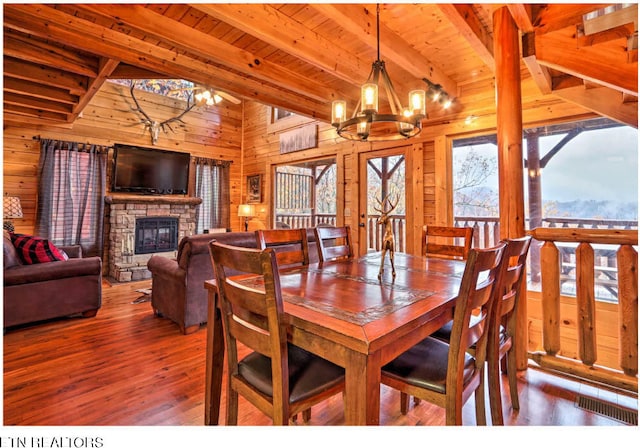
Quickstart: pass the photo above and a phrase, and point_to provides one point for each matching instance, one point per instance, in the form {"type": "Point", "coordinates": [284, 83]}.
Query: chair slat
{"type": "Point", "coordinates": [447, 241]}
{"type": "Point", "coordinates": [333, 243]}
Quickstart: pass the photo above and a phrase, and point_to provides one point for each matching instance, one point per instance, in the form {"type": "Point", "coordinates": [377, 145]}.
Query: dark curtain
{"type": "Point", "coordinates": [71, 192]}
{"type": "Point", "coordinates": [212, 185]}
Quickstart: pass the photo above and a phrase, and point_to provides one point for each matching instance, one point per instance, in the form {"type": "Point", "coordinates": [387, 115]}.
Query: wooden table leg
{"type": "Point", "coordinates": [214, 360]}
{"type": "Point", "coordinates": [362, 404]}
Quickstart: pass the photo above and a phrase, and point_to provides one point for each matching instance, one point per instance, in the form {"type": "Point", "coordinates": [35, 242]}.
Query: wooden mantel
{"type": "Point", "coordinates": [124, 198]}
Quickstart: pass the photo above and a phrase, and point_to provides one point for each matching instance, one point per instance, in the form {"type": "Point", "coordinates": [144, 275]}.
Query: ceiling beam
{"type": "Point", "coordinates": [618, 32]}
{"type": "Point", "coordinates": [464, 18]}
{"type": "Point", "coordinates": [33, 102]}
{"type": "Point", "coordinates": [556, 16]}
{"type": "Point", "coordinates": [84, 35]}
{"type": "Point", "coordinates": [603, 101]}
{"type": "Point", "coordinates": [38, 90]}
{"type": "Point", "coordinates": [27, 49]}
{"type": "Point", "coordinates": [269, 25]}
{"type": "Point", "coordinates": [354, 19]}
{"type": "Point", "coordinates": [522, 14]}
{"type": "Point", "coordinates": [186, 37]}
{"type": "Point", "coordinates": [75, 84]}
{"type": "Point", "coordinates": [559, 51]}
{"type": "Point", "coordinates": [107, 66]}
{"type": "Point", "coordinates": [127, 71]}
{"type": "Point", "coordinates": [620, 17]}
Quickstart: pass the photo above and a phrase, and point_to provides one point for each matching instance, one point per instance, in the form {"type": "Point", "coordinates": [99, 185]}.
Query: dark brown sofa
{"type": "Point", "coordinates": [37, 292]}
{"type": "Point", "coordinates": [177, 286]}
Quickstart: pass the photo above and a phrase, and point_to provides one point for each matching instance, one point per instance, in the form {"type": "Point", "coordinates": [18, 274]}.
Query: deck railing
{"type": "Point", "coordinates": [586, 243]}
{"type": "Point", "coordinates": [486, 230]}
{"type": "Point", "coordinates": [300, 220]}
{"type": "Point", "coordinates": [375, 232]}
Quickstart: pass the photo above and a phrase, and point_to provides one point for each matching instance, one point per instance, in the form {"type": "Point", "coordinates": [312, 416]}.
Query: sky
{"type": "Point", "coordinates": [596, 165]}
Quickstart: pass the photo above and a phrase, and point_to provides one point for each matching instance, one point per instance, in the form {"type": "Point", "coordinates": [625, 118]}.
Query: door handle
{"type": "Point", "coordinates": [361, 224]}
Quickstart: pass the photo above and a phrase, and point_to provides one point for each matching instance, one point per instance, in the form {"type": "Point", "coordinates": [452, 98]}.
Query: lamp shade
{"type": "Point", "coordinates": [246, 210]}
{"type": "Point", "coordinates": [11, 207]}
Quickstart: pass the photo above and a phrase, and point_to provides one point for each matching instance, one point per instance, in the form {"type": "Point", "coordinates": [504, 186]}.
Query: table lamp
{"type": "Point", "coordinates": [11, 209]}
{"type": "Point", "coordinates": [248, 211]}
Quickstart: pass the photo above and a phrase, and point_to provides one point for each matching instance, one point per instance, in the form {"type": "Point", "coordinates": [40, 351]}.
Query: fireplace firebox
{"type": "Point", "coordinates": [157, 234]}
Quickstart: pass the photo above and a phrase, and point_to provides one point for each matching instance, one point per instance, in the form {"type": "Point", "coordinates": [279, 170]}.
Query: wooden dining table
{"type": "Point", "coordinates": [344, 313]}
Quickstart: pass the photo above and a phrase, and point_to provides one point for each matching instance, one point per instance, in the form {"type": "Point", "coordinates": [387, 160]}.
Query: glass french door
{"type": "Point", "coordinates": [383, 190]}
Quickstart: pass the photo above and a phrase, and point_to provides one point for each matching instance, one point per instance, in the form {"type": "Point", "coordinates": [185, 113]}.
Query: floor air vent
{"type": "Point", "coordinates": [621, 414]}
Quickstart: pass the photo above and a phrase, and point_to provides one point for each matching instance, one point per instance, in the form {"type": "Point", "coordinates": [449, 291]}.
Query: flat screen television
{"type": "Point", "coordinates": [150, 171]}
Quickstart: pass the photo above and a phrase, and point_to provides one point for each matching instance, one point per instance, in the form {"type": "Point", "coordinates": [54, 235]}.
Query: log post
{"type": "Point", "coordinates": [509, 135]}
{"type": "Point", "coordinates": [550, 257]}
{"type": "Point", "coordinates": [585, 296]}
{"type": "Point", "coordinates": [628, 308]}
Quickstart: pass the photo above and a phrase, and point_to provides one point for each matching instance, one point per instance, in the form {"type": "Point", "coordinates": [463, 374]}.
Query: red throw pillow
{"type": "Point", "coordinates": [32, 249]}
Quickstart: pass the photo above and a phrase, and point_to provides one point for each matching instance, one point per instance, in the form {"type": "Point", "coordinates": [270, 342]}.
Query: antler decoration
{"type": "Point", "coordinates": [155, 126]}
{"type": "Point", "coordinates": [388, 242]}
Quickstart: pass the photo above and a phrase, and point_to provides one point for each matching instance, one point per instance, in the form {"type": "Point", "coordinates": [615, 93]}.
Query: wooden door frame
{"type": "Point", "coordinates": [413, 157]}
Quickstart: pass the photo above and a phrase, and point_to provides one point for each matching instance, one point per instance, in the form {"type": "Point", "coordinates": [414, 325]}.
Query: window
{"type": "Point", "coordinates": [305, 194]}
{"type": "Point", "coordinates": [212, 185]}
{"type": "Point", "coordinates": [279, 114]}
{"type": "Point", "coordinates": [71, 193]}
{"type": "Point", "coordinates": [580, 174]}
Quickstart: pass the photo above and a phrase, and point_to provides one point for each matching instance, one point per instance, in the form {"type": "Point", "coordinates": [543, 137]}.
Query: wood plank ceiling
{"type": "Point", "coordinates": [302, 56]}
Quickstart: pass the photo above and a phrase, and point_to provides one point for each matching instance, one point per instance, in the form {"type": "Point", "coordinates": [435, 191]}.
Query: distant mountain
{"type": "Point", "coordinates": [591, 209]}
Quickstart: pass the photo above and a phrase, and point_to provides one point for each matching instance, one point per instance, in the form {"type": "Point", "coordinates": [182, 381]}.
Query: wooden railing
{"type": "Point", "coordinates": [300, 220]}
{"type": "Point", "coordinates": [375, 232]}
{"type": "Point", "coordinates": [486, 230]}
{"type": "Point", "coordinates": [585, 364]}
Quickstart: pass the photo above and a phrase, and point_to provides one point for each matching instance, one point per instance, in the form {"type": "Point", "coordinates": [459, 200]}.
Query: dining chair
{"type": "Point", "coordinates": [447, 374]}
{"type": "Point", "coordinates": [503, 323]}
{"type": "Point", "coordinates": [279, 378]}
{"type": "Point", "coordinates": [503, 332]}
{"type": "Point", "coordinates": [333, 243]}
{"type": "Point", "coordinates": [457, 245]}
{"type": "Point", "coordinates": [290, 245]}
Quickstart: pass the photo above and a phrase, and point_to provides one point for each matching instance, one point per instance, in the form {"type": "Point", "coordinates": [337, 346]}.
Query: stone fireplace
{"type": "Point", "coordinates": [141, 226]}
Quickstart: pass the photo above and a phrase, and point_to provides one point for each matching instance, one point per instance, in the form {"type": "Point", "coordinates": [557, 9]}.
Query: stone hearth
{"type": "Point", "coordinates": [123, 210]}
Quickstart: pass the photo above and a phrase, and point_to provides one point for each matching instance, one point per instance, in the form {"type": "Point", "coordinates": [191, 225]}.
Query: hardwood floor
{"type": "Point", "coordinates": [126, 367]}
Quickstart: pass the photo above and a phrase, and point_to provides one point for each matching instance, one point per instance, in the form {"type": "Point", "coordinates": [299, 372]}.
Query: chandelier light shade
{"type": "Point", "coordinates": [367, 123]}
{"type": "Point", "coordinates": [11, 209]}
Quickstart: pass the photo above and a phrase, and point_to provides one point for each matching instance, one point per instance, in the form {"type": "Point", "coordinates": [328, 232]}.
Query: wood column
{"type": "Point", "coordinates": [510, 161]}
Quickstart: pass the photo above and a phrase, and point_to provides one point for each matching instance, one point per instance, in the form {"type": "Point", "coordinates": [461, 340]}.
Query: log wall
{"type": "Point", "coordinates": [109, 118]}
{"type": "Point", "coordinates": [262, 152]}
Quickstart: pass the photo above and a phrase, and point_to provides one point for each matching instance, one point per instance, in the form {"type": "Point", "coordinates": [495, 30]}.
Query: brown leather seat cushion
{"type": "Point", "coordinates": [444, 332]}
{"type": "Point", "coordinates": [425, 365]}
{"type": "Point", "coordinates": [308, 374]}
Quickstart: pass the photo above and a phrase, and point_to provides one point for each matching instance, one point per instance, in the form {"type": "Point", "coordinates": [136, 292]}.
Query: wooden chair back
{"type": "Point", "coordinates": [290, 245]}
{"type": "Point", "coordinates": [333, 243]}
{"type": "Point", "coordinates": [252, 313]}
{"type": "Point", "coordinates": [420, 371]}
{"type": "Point", "coordinates": [253, 316]}
{"type": "Point", "coordinates": [476, 297]}
{"type": "Point", "coordinates": [512, 271]}
{"type": "Point", "coordinates": [503, 331]}
{"type": "Point", "coordinates": [450, 242]}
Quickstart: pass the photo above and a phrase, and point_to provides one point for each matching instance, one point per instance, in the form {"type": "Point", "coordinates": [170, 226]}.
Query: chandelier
{"type": "Point", "coordinates": [366, 122]}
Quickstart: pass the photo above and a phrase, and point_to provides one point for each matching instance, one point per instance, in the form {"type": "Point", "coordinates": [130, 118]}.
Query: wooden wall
{"type": "Point", "coordinates": [431, 200]}
{"type": "Point", "coordinates": [214, 132]}
{"type": "Point", "coordinates": [245, 135]}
